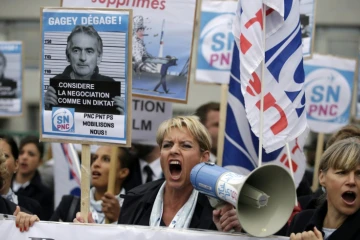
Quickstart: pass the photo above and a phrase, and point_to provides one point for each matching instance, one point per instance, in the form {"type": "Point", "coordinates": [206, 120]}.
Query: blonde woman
{"type": "Point", "coordinates": [339, 216]}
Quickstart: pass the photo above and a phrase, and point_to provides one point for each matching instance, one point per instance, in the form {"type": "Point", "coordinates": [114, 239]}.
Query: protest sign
{"type": "Point", "coordinates": [329, 82]}
{"type": "Point", "coordinates": [11, 79]}
{"type": "Point", "coordinates": [216, 41]}
{"type": "Point", "coordinates": [307, 23]}
{"type": "Point", "coordinates": [148, 114]}
{"type": "Point", "coordinates": [85, 76]}
{"type": "Point", "coordinates": [162, 42]}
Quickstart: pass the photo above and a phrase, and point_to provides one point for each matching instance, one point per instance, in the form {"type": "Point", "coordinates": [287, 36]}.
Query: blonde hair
{"type": "Point", "coordinates": [191, 123]}
{"type": "Point", "coordinates": [343, 154]}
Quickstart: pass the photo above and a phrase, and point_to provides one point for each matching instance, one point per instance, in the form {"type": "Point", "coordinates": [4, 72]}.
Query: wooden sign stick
{"type": "Point", "coordinates": [112, 172]}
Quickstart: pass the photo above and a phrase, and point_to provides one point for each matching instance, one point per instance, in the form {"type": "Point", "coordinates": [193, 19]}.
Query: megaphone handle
{"type": "Point", "coordinates": [218, 204]}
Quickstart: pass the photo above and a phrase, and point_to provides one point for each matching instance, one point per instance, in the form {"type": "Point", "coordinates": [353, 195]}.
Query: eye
{"type": "Point", "coordinates": [166, 145]}
{"type": "Point", "coordinates": [90, 51]}
{"type": "Point", "coordinates": [106, 159]}
{"type": "Point", "coordinates": [340, 172]}
{"type": "Point", "coordinates": [93, 158]}
{"type": "Point", "coordinates": [6, 156]}
{"type": "Point", "coordinates": [186, 145]}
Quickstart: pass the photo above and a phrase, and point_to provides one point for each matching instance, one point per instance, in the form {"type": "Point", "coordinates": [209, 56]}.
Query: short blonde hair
{"type": "Point", "coordinates": [343, 154]}
{"type": "Point", "coordinates": [192, 123]}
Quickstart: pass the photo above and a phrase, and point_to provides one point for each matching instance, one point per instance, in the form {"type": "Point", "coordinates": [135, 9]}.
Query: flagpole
{"type": "Point", "coordinates": [291, 167]}
{"type": "Point", "coordinates": [222, 122]}
{"type": "Point", "coordinates": [262, 90]}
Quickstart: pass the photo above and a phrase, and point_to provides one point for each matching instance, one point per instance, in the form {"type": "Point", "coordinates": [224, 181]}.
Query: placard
{"type": "Point", "coordinates": [307, 23]}
{"type": "Point", "coordinates": [85, 76]}
{"type": "Point", "coordinates": [11, 78]}
{"type": "Point", "coordinates": [329, 82]}
{"type": "Point", "coordinates": [148, 114]}
{"type": "Point", "coordinates": [216, 41]}
{"type": "Point", "coordinates": [162, 41]}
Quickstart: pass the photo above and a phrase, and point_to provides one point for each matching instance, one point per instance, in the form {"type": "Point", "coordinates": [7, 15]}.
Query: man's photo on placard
{"type": "Point", "coordinates": [8, 86]}
{"type": "Point", "coordinates": [84, 53]}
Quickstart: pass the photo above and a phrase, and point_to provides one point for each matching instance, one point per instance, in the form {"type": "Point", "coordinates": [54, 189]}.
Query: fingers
{"type": "Point", "coordinates": [230, 221]}
{"type": "Point", "coordinates": [110, 207]}
{"type": "Point", "coordinates": [24, 221]}
{"type": "Point", "coordinates": [78, 218]}
{"type": "Point", "coordinates": [318, 234]}
{"type": "Point", "coordinates": [90, 218]}
{"type": "Point", "coordinates": [17, 210]}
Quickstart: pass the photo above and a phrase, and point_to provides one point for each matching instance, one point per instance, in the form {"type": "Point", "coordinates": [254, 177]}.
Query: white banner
{"type": "Point", "coordinates": [216, 41]}
{"type": "Point", "coordinates": [329, 82]}
{"type": "Point", "coordinates": [147, 116]}
{"type": "Point", "coordinates": [66, 231]}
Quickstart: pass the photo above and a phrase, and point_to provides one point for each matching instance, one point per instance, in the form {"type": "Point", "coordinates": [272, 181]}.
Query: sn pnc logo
{"type": "Point", "coordinates": [63, 119]}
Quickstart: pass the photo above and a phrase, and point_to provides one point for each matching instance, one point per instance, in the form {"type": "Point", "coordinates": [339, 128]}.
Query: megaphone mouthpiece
{"type": "Point", "coordinates": [252, 196]}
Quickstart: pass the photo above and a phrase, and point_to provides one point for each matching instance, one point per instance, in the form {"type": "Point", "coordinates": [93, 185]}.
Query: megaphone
{"type": "Point", "coordinates": [264, 200]}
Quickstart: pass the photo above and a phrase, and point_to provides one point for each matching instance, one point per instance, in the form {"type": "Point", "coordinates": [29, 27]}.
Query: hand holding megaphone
{"type": "Point", "coordinates": [225, 218]}
{"type": "Point", "coordinates": [263, 200]}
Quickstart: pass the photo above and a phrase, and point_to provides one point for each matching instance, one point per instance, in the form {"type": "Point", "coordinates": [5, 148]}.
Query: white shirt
{"type": "Point", "coordinates": [155, 167]}
{"type": "Point", "coordinates": [328, 232]}
{"type": "Point", "coordinates": [16, 186]}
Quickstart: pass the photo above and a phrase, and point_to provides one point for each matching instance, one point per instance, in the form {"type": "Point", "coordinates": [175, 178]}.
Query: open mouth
{"type": "Point", "coordinates": [175, 169]}
{"type": "Point", "coordinates": [95, 174]}
{"type": "Point", "coordinates": [349, 197]}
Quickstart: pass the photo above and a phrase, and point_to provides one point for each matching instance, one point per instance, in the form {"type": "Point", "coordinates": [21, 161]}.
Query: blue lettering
{"type": "Point", "coordinates": [230, 41]}
{"type": "Point", "coordinates": [63, 119]}
{"type": "Point", "coordinates": [331, 93]}
{"type": "Point", "coordinates": [317, 94]}
{"type": "Point", "coordinates": [218, 40]}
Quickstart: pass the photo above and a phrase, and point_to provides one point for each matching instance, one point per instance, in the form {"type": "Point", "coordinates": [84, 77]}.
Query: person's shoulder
{"type": "Point", "coordinates": [6, 206]}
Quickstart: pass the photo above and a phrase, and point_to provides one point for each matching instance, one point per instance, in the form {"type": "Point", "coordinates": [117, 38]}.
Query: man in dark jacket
{"type": "Point", "coordinates": [84, 52]}
{"type": "Point", "coordinates": [163, 72]}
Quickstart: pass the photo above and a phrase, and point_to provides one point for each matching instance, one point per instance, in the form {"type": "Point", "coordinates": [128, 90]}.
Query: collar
{"type": "Point", "coordinates": [155, 167]}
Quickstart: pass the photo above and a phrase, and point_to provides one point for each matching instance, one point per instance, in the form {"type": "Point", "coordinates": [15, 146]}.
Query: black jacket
{"type": "Point", "coordinates": [308, 219]}
{"type": "Point", "coordinates": [37, 191]}
{"type": "Point", "coordinates": [67, 209]}
{"type": "Point", "coordinates": [139, 201]}
{"type": "Point", "coordinates": [6, 206]}
{"type": "Point", "coordinates": [31, 205]}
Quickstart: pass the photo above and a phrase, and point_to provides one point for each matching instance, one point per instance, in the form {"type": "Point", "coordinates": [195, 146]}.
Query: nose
{"type": "Point", "coordinates": [83, 56]}
{"type": "Point", "coordinates": [95, 163]}
{"type": "Point", "coordinates": [351, 178]}
{"type": "Point", "coordinates": [174, 149]}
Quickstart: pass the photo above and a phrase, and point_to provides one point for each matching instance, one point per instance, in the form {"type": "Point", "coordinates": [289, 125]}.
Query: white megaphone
{"type": "Point", "coordinates": [264, 199]}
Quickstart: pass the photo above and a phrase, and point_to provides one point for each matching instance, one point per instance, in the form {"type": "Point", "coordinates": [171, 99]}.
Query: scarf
{"type": "Point", "coordinates": [182, 218]}
{"type": "Point", "coordinates": [95, 206]}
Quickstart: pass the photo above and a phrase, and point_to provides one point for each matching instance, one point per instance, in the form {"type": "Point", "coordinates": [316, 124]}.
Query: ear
{"type": "Point", "coordinates": [322, 178]}
{"type": "Point", "coordinates": [205, 156]}
{"type": "Point", "coordinates": [99, 58]}
{"type": "Point", "coordinates": [123, 173]}
{"type": "Point", "coordinates": [16, 166]}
